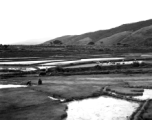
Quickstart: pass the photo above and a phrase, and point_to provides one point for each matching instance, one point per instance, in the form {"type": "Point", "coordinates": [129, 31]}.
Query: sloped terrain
{"type": "Point", "coordinates": [142, 36]}
{"type": "Point", "coordinates": [140, 33]}
{"type": "Point", "coordinates": [84, 41]}
{"type": "Point", "coordinates": [114, 39]}
{"type": "Point", "coordinates": [63, 39]}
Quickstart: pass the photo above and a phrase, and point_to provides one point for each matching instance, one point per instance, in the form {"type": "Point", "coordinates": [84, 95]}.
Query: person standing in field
{"type": "Point", "coordinates": [39, 82]}
{"type": "Point", "coordinates": [29, 83]}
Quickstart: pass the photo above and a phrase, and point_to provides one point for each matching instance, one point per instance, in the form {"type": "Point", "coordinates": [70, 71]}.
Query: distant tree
{"type": "Point", "coordinates": [107, 49]}
{"type": "Point", "coordinates": [5, 46]}
{"type": "Point", "coordinates": [51, 43]}
{"type": "Point", "coordinates": [58, 42]}
{"type": "Point", "coordinates": [135, 64]}
{"type": "Point", "coordinates": [101, 42]}
{"type": "Point", "coordinates": [101, 49]}
{"type": "Point", "coordinates": [125, 45]}
{"type": "Point", "coordinates": [98, 67]}
{"type": "Point", "coordinates": [118, 43]}
{"type": "Point", "coordinates": [91, 43]}
{"type": "Point", "coordinates": [42, 73]}
{"type": "Point", "coordinates": [118, 66]}
{"type": "Point", "coordinates": [1, 46]}
{"type": "Point", "coordinates": [59, 69]}
{"type": "Point", "coordinates": [148, 42]}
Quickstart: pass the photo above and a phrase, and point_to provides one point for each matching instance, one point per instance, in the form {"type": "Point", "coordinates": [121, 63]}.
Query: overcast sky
{"type": "Point", "coordinates": [41, 20]}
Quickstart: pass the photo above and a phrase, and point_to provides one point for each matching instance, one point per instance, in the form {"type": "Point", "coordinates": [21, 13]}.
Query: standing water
{"type": "Point", "coordinates": [11, 86]}
{"type": "Point", "coordinates": [147, 94]}
{"type": "Point", "coordinates": [102, 108]}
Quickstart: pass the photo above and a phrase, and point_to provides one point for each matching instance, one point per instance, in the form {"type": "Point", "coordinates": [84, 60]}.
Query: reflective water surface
{"type": "Point", "coordinates": [102, 108]}
{"type": "Point", "coordinates": [53, 98]}
{"type": "Point", "coordinates": [147, 94]}
{"type": "Point", "coordinates": [11, 86]}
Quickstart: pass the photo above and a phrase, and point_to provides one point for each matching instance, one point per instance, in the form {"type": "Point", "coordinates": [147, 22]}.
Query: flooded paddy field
{"type": "Point", "coordinates": [81, 94]}
{"type": "Point", "coordinates": [103, 108]}
{"type": "Point", "coordinates": [26, 64]}
{"type": "Point", "coordinates": [147, 94]}
{"type": "Point", "coordinates": [22, 101]}
{"type": "Point", "coordinates": [48, 63]}
{"type": "Point", "coordinates": [11, 86]}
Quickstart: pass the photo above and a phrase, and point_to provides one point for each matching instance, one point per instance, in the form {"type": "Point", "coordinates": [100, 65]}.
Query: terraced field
{"type": "Point", "coordinates": [50, 100]}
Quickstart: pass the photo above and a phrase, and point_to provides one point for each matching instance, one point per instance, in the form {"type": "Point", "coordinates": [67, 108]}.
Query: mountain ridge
{"type": "Point", "coordinates": [114, 35]}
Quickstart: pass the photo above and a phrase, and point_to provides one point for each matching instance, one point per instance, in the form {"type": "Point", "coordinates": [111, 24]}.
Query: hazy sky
{"type": "Point", "coordinates": [37, 20]}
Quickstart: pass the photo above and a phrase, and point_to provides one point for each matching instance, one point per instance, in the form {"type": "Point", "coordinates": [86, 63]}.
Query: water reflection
{"type": "Point", "coordinates": [11, 86]}
{"type": "Point", "coordinates": [102, 108]}
{"type": "Point", "coordinates": [147, 94]}
{"type": "Point", "coordinates": [61, 100]}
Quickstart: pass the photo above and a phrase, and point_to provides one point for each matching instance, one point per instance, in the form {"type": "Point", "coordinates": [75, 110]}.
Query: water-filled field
{"type": "Point", "coordinates": [57, 89]}
{"type": "Point", "coordinates": [27, 65]}
{"type": "Point", "coordinates": [26, 62]}
{"type": "Point", "coordinates": [49, 97]}
{"type": "Point", "coordinates": [102, 108]}
{"type": "Point", "coordinates": [146, 95]}
{"type": "Point", "coordinates": [11, 86]}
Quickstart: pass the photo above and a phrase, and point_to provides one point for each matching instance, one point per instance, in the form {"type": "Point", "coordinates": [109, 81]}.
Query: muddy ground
{"type": "Point", "coordinates": [33, 103]}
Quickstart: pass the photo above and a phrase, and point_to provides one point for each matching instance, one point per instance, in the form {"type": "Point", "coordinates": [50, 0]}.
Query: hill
{"type": "Point", "coordinates": [125, 34]}
{"type": "Point", "coordinates": [142, 36]}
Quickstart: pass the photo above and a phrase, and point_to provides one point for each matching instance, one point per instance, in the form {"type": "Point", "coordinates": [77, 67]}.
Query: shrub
{"type": "Point", "coordinates": [42, 73]}
{"type": "Point", "coordinates": [58, 42]}
{"type": "Point", "coordinates": [59, 69]}
{"type": "Point", "coordinates": [91, 43]}
{"type": "Point", "coordinates": [135, 64]}
{"type": "Point", "coordinates": [98, 67]}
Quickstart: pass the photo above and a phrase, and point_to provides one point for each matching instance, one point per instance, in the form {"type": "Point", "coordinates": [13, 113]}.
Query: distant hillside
{"type": "Point", "coordinates": [142, 36]}
{"type": "Point", "coordinates": [113, 39]}
{"type": "Point", "coordinates": [63, 39]}
{"type": "Point", "coordinates": [133, 33]}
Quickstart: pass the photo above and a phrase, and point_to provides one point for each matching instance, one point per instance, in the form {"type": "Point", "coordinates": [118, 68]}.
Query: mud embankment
{"type": "Point", "coordinates": [109, 92]}
{"type": "Point", "coordinates": [137, 115]}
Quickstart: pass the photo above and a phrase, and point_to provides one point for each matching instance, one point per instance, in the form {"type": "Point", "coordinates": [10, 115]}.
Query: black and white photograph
{"type": "Point", "coordinates": [75, 59]}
